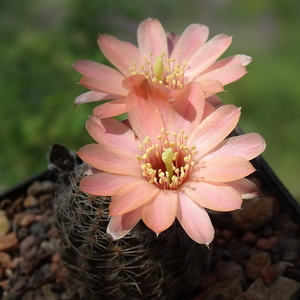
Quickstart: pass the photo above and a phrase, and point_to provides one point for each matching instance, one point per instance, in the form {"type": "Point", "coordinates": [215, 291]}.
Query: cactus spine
{"type": "Point", "coordinates": [138, 266]}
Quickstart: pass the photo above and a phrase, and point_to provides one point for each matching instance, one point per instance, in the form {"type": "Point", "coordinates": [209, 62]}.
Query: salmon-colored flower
{"type": "Point", "coordinates": [167, 60]}
{"type": "Point", "coordinates": [170, 162]}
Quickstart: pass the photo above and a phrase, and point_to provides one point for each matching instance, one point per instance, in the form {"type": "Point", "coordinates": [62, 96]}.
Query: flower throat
{"type": "Point", "coordinates": [167, 164]}
{"type": "Point", "coordinates": [163, 70]}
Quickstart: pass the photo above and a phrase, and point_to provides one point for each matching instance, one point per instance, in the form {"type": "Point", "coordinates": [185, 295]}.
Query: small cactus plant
{"type": "Point", "coordinates": [141, 265]}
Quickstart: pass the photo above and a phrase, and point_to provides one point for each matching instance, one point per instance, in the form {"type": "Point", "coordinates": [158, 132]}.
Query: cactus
{"type": "Point", "coordinates": [138, 266]}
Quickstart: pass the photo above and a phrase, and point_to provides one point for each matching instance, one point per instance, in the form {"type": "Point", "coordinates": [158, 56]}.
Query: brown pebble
{"type": "Point", "coordinates": [16, 262]}
{"type": "Point", "coordinates": [62, 275]}
{"type": "Point", "coordinates": [249, 237]}
{"type": "Point", "coordinates": [226, 234]}
{"type": "Point", "coordinates": [254, 213]}
{"type": "Point", "coordinates": [5, 260]}
{"type": "Point", "coordinates": [219, 241]}
{"type": "Point", "coordinates": [9, 242]}
{"type": "Point", "coordinates": [31, 201]}
{"type": "Point", "coordinates": [4, 223]}
{"type": "Point", "coordinates": [230, 270]}
{"type": "Point", "coordinates": [28, 243]}
{"type": "Point", "coordinates": [56, 257]}
{"type": "Point", "coordinates": [282, 265]}
{"type": "Point", "coordinates": [209, 280]}
{"type": "Point", "coordinates": [4, 284]}
{"type": "Point", "coordinates": [264, 244]}
{"type": "Point", "coordinates": [53, 233]}
{"type": "Point", "coordinates": [256, 262]}
{"type": "Point", "coordinates": [268, 273]}
{"type": "Point", "coordinates": [40, 188]}
{"type": "Point", "coordinates": [46, 202]}
{"type": "Point", "coordinates": [25, 218]}
{"type": "Point", "coordinates": [274, 240]}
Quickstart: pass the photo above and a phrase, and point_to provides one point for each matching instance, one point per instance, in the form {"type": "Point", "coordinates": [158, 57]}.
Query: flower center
{"type": "Point", "coordinates": [162, 70]}
{"type": "Point", "coordinates": [167, 163]}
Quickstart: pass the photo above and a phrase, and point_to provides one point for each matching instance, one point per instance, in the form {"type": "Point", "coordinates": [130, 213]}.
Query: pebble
{"type": "Point", "coordinates": [40, 188]}
{"type": "Point", "coordinates": [28, 243]}
{"type": "Point", "coordinates": [46, 202]}
{"type": "Point", "coordinates": [30, 201]}
{"type": "Point", "coordinates": [24, 218]}
{"type": "Point", "coordinates": [282, 288]}
{"type": "Point", "coordinates": [254, 213]}
{"type": "Point", "coordinates": [268, 273]}
{"type": "Point", "coordinates": [249, 295]}
{"type": "Point", "coordinates": [288, 227]}
{"type": "Point", "coordinates": [5, 260]}
{"type": "Point", "coordinates": [33, 258]}
{"type": "Point", "coordinates": [230, 270]}
{"type": "Point", "coordinates": [249, 237]}
{"type": "Point", "coordinates": [9, 242]}
{"type": "Point", "coordinates": [38, 229]}
{"type": "Point", "coordinates": [256, 262]}
{"type": "Point", "coordinates": [282, 265]}
{"type": "Point", "coordinates": [291, 250]}
{"type": "Point", "coordinates": [266, 244]}
{"type": "Point", "coordinates": [4, 223]}
{"type": "Point", "coordinates": [209, 280]}
{"type": "Point", "coordinates": [267, 231]}
{"type": "Point", "coordinates": [225, 290]}
{"type": "Point", "coordinates": [49, 294]}
{"type": "Point", "coordinates": [226, 234]}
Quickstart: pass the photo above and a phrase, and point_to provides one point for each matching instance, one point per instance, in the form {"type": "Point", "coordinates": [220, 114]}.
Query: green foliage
{"type": "Point", "coordinates": [40, 40]}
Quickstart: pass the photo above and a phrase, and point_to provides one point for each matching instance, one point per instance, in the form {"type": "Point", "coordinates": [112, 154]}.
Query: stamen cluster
{"type": "Point", "coordinates": [163, 70]}
{"type": "Point", "coordinates": [168, 163]}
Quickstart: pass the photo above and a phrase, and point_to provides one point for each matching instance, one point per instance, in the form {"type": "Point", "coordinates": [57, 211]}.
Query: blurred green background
{"type": "Point", "coordinates": [40, 39]}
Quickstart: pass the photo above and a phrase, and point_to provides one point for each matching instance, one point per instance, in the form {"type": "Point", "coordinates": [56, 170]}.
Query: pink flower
{"type": "Point", "coordinates": [166, 59]}
{"type": "Point", "coordinates": [170, 163]}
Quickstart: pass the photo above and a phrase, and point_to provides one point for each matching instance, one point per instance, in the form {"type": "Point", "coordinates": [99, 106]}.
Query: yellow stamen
{"type": "Point", "coordinates": [168, 163]}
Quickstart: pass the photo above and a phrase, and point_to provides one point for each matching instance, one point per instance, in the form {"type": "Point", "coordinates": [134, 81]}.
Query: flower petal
{"type": "Point", "coordinates": [211, 87]}
{"type": "Point", "coordinates": [159, 214]}
{"type": "Point", "coordinates": [111, 132]}
{"type": "Point", "coordinates": [248, 145]}
{"type": "Point", "coordinates": [239, 59]}
{"type": "Point", "coordinates": [245, 187]}
{"type": "Point", "coordinates": [98, 71]}
{"type": "Point", "coordinates": [111, 109]}
{"type": "Point", "coordinates": [105, 184]}
{"type": "Point", "coordinates": [215, 196]}
{"type": "Point", "coordinates": [222, 169]}
{"type": "Point", "coordinates": [207, 55]}
{"type": "Point", "coordinates": [152, 39]}
{"type": "Point", "coordinates": [147, 110]}
{"type": "Point", "coordinates": [225, 74]}
{"type": "Point", "coordinates": [194, 220]}
{"type": "Point", "coordinates": [93, 96]}
{"type": "Point", "coordinates": [110, 159]}
{"type": "Point", "coordinates": [214, 129]}
{"type": "Point", "coordinates": [188, 109]}
{"type": "Point", "coordinates": [121, 54]}
{"type": "Point", "coordinates": [132, 196]}
{"type": "Point", "coordinates": [119, 226]}
{"type": "Point", "coordinates": [103, 86]}
{"type": "Point", "coordinates": [193, 37]}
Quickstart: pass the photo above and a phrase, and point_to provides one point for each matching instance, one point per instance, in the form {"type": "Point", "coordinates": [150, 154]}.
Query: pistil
{"type": "Point", "coordinates": [167, 157]}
